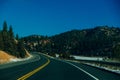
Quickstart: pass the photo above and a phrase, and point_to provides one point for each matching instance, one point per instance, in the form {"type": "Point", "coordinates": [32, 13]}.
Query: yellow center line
{"type": "Point", "coordinates": [34, 71]}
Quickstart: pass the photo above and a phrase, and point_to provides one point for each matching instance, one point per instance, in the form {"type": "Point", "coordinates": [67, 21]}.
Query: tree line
{"type": "Point", "coordinates": [10, 44]}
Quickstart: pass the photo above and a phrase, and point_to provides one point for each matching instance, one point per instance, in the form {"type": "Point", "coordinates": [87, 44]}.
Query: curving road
{"type": "Point", "coordinates": [52, 69]}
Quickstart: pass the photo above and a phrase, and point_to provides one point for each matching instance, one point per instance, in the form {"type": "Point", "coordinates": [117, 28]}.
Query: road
{"type": "Point", "coordinates": [52, 69]}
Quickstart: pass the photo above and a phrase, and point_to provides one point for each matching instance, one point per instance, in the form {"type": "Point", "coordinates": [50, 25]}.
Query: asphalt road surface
{"type": "Point", "coordinates": [47, 68]}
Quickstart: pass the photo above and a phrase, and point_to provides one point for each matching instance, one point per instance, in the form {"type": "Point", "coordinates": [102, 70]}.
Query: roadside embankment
{"type": "Point", "coordinates": [17, 61]}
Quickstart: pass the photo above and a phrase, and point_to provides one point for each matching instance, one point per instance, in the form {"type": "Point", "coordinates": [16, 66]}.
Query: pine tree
{"type": "Point", "coordinates": [5, 36]}
{"type": "Point", "coordinates": [11, 34]}
{"type": "Point", "coordinates": [116, 51]}
{"type": "Point", "coordinates": [20, 49]}
{"type": "Point", "coordinates": [1, 41]}
{"type": "Point", "coordinates": [11, 41]}
{"type": "Point", "coordinates": [5, 26]}
{"type": "Point", "coordinates": [17, 37]}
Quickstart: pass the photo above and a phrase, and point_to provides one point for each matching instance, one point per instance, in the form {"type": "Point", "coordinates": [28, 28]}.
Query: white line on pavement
{"type": "Point", "coordinates": [83, 71]}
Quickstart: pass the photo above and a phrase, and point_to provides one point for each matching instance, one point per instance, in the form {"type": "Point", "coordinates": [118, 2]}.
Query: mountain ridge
{"type": "Point", "coordinates": [99, 41]}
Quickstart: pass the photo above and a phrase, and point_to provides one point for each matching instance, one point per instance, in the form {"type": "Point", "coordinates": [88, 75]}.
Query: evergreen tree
{"type": "Point", "coordinates": [116, 51]}
{"type": "Point", "coordinates": [21, 49]}
{"type": "Point", "coordinates": [17, 37]}
{"type": "Point", "coordinates": [11, 41]}
{"type": "Point", "coordinates": [5, 36]}
{"type": "Point", "coordinates": [1, 41]}
{"type": "Point", "coordinates": [5, 26]}
{"type": "Point", "coordinates": [11, 32]}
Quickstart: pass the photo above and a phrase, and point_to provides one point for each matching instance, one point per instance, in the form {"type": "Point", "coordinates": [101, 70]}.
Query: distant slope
{"type": "Point", "coordinates": [99, 41]}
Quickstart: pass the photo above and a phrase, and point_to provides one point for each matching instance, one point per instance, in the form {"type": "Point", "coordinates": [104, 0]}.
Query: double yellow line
{"type": "Point", "coordinates": [34, 71]}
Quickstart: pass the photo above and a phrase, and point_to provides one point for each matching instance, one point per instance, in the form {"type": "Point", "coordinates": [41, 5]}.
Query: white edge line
{"type": "Point", "coordinates": [83, 71]}
{"type": "Point", "coordinates": [80, 69]}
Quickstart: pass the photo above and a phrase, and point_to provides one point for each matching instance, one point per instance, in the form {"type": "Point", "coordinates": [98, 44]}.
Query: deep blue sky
{"type": "Point", "coordinates": [50, 17]}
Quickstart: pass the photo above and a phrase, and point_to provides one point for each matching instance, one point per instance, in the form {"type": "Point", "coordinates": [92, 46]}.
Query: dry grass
{"type": "Point", "coordinates": [5, 57]}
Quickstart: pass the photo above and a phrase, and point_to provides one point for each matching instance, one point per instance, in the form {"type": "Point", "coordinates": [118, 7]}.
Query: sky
{"type": "Point", "coordinates": [50, 17]}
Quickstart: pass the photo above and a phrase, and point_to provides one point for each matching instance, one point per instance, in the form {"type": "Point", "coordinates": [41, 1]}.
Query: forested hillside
{"type": "Point", "coordinates": [10, 44]}
{"type": "Point", "coordinates": [100, 41]}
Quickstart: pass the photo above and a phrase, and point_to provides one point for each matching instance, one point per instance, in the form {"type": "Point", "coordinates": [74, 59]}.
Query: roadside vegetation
{"type": "Point", "coordinates": [10, 44]}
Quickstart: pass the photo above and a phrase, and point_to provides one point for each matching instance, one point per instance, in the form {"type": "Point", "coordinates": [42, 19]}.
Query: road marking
{"type": "Point", "coordinates": [34, 71]}
{"type": "Point", "coordinates": [95, 78]}
{"type": "Point", "coordinates": [83, 71]}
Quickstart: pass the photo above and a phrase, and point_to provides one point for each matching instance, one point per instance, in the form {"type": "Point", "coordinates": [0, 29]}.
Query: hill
{"type": "Point", "coordinates": [99, 41]}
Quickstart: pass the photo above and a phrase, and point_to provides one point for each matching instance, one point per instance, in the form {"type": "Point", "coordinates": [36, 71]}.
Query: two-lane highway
{"type": "Point", "coordinates": [51, 69]}
{"type": "Point", "coordinates": [58, 70]}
